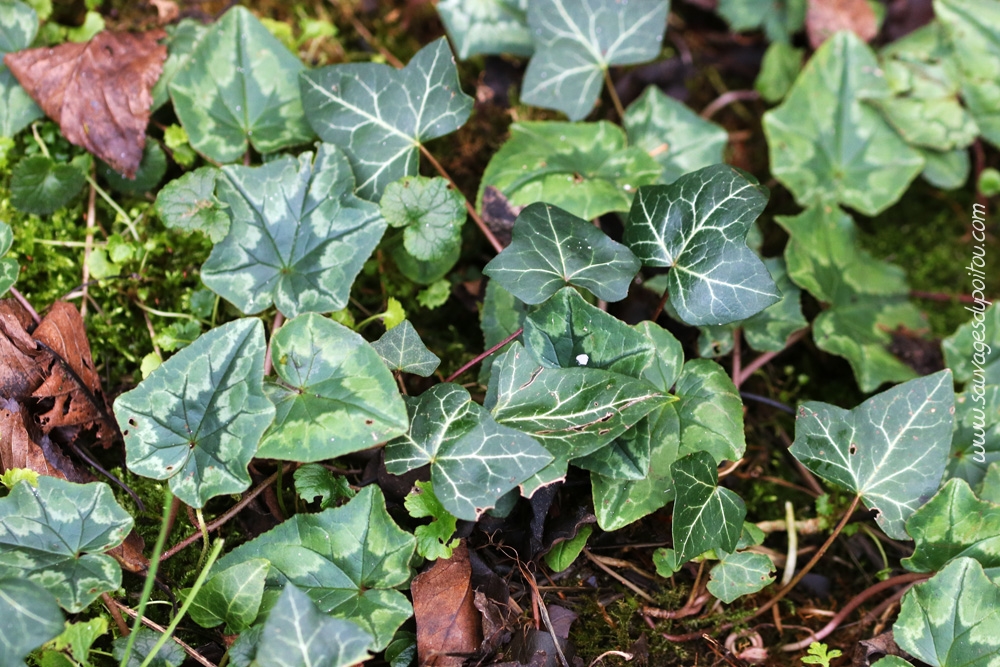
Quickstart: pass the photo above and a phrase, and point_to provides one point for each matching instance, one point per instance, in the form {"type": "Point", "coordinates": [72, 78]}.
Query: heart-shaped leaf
{"type": "Point", "coordinates": [182, 39]}
{"type": "Point", "coordinates": [55, 535]}
{"type": "Point", "coordinates": [585, 168]}
{"type": "Point", "coordinates": [196, 420]}
{"type": "Point", "coordinates": [349, 560]}
{"type": "Point", "coordinates": [891, 450]}
{"type": "Point", "coordinates": [706, 515]}
{"type": "Point", "coordinates": [430, 212]}
{"type": "Point", "coordinates": [381, 116]}
{"type": "Point", "coordinates": [239, 88]}
{"type": "Point", "coordinates": [827, 145]}
{"type": "Point", "coordinates": [298, 634]}
{"type": "Point", "coordinates": [973, 351]}
{"type": "Point", "coordinates": [474, 460]}
{"type": "Point", "coordinates": [740, 574]}
{"type": "Point", "coordinates": [678, 138]}
{"type": "Point", "coordinates": [576, 42]}
{"type": "Point", "coordinates": [976, 443]}
{"type": "Point", "coordinates": [232, 597]}
{"type": "Point", "coordinates": [946, 170]}
{"type": "Point", "coordinates": [30, 616]}
{"type": "Point", "coordinates": [39, 185]}
{"type": "Point", "coordinates": [188, 203]}
{"type": "Point", "coordinates": [698, 226]}
{"type": "Point", "coordinates": [297, 235]}
{"type": "Point", "coordinates": [953, 620]}
{"type": "Point", "coordinates": [487, 26]}
{"type": "Point", "coordinates": [552, 249]}
{"type": "Point", "coordinates": [18, 25]}
{"type": "Point", "coordinates": [402, 350]}
{"type": "Point", "coordinates": [335, 396]}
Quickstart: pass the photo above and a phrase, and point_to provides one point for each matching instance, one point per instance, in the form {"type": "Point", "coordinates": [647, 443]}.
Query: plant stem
{"type": "Point", "coordinates": [205, 541]}
{"type": "Point", "coordinates": [24, 304]}
{"type": "Point", "coordinates": [660, 306]}
{"type": "Point", "coordinates": [793, 544]}
{"type": "Point", "coordinates": [483, 355]}
{"type": "Point", "coordinates": [765, 358]}
{"type": "Point", "coordinates": [88, 244]}
{"type": "Point", "coordinates": [114, 206]}
{"type": "Point", "coordinates": [737, 358]}
{"type": "Point", "coordinates": [614, 94]}
{"type": "Point", "coordinates": [279, 319]}
{"type": "Point", "coordinates": [727, 98]}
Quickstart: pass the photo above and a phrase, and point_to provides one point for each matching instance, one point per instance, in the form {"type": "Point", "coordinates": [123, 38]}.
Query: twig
{"type": "Point", "coordinates": [727, 98]}
{"type": "Point", "coordinates": [765, 358]}
{"type": "Point", "coordinates": [88, 243]}
{"type": "Point", "coordinates": [279, 319]}
{"type": "Point", "coordinates": [660, 306]}
{"type": "Point", "coordinates": [625, 582]}
{"type": "Point", "coordinates": [941, 296]}
{"type": "Point", "coordinates": [24, 304]}
{"type": "Point", "coordinates": [737, 358]}
{"type": "Point", "coordinates": [149, 328]}
{"type": "Point", "coordinates": [483, 355]}
{"type": "Point", "coordinates": [198, 657]}
{"type": "Point", "coordinates": [374, 43]}
{"type": "Point", "coordinates": [614, 94]}
{"type": "Point", "coordinates": [767, 401]}
{"type": "Point", "coordinates": [112, 608]}
{"type": "Point", "coordinates": [544, 612]}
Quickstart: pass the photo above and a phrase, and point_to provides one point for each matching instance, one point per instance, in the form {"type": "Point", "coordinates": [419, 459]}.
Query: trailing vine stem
{"type": "Point", "coordinates": [614, 94]}
{"type": "Point", "coordinates": [483, 355]}
{"type": "Point", "coordinates": [660, 306]}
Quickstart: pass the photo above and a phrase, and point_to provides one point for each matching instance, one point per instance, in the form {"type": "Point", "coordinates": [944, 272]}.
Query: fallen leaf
{"type": "Point", "coordinates": [499, 214]}
{"type": "Point", "coordinates": [826, 17]}
{"type": "Point", "coordinates": [22, 447]}
{"type": "Point", "coordinates": [98, 91]}
{"type": "Point", "coordinates": [448, 625]}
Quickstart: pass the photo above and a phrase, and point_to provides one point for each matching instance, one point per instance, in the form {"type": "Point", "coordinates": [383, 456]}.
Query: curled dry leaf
{"type": "Point", "coordinates": [826, 17]}
{"type": "Point", "coordinates": [98, 91]}
{"type": "Point", "coordinates": [448, 624]}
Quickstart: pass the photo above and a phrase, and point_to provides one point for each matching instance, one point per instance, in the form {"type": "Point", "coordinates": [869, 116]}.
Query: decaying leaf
{"type": "Point", "coordinates": [826, 17]}
{"type": "Point", "coordinates": [98, 91]}
{"type": "Point", "coordinates": [448, 624]}
{"type": "Point", "coordinates": [22, 447]}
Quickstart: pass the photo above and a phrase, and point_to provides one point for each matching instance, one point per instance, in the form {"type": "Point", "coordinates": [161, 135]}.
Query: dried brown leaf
{"type": "Point", "coordinates": [448, 624]}
{"type": "Point", "coordinates": [98, 92]}
{"type": "Point", "coordinates": [22, 447]}
{"type": "Point", "coordinates": [826, 17]}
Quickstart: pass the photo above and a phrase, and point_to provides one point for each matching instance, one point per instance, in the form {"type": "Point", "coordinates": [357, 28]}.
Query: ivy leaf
{"type": "Point", "coordinates": [740, 574]}
{"type": "Point", "coordinates": [976, 443]}
{"type": "Point", "coordinates": [668, 361]}
{"type": "Point", "coordinates": [335, 396]}
{"type": "Point", "coordinates": [196, 419]}
{"type": "Point", "coordinates": [433, 539]}
{"type": "Point", "coordinates": [189, 203]}
{"type": "Point", "coordinates": [314, 481]}
{"type": "Point", "coordinates": [349, 560]}
{"type": "Point", "coordinates": [39, 185]}
{"type": "Point", "coordinates": [778, 71]}
{"type": "Point", "coordinates": [576, 42]}
{"type": "Point", "coordinates": [827, 145]}
{"type": "Point", "coordinates": [9, 268]}
{"type": "Point", "coordinates": [430, 212]}
{"type": "Point", "coordinates": [55, 535]}
{"type": "Point", "coordinates": [585, 168]}
{"type": "Point", "coordinates": [297, 235]}
{"type": "Point", "coordinates": [474, 460]}
{"type": "Point", "coordinates": [18, 26]}
{"type": "Point", "coordinates": [678, 138]}
{"type": "Point", "coordinates": [698, 226]}
{"type": "Point", "coordinates": [231, 596]}
{"type": "Point", "coordinates": [973, 351]}
{"type": "Point", "coordinates": [706, 516]}
{"type": "Point", "coordinates": [381, 116]}
{"type": "Point", "coordinates": [891, 449]}
{"type": "Point", "coordinates": [955, 523]}
{"type": "Point", "coordinates": [710, 412]}
{"type": "Point", "coordinates": [953, 619]}
{"type": "Point", "coordinates": [298, 634]}
{"type": "Point", "coordinates": [487, 26]}
{"type": "Point", "coordinates": [402, 350]}
{"type": "Point", "coordinates": [31, 618]}
{"type": "Point", "coordinates": [169, 655]}
{"type": "Point", "coordinates": [238, 89]}
{"type": "Point", "coordinates": [552, 249]}
{"type": "Point", "coordinates": [502, 315]}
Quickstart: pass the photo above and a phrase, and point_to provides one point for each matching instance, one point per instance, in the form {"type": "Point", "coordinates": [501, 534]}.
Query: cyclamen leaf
{"type": "Point", "coordinates": [487, 26]}
{"type": "Point", "coordinates": [39, 185]}
{"type": "Point", "coordinates": [952, 620]}
{"type": "Point", "coordinates": [55, 536]}
{"type": "Point", "coordinates": [297, 235]}
{"type": "Point", "coordinates": [335, 396]}
{"type": "Point", "coordinates": [182, 39]}
{"type": "Point", "coordinates": [780, 22]}
{"type": "Point", "coordinates": [189, 203]}
{"type": "Point", "coordinates": [402, 350]}
{"type": "Point", "coordinates": [197, 419]}
{"type": "Point", "coordinates": [585, 168]}
{"type": "Point", "coordinates": [18, 26]}
{"type": "Point", "coordinates": [946, 170]}
{"type": "Point", "coordinates": [706, 516]}
{"type": "Point", "coordinates": [698, 226]}
{"type": "Point", "coordinates": [973, 351]}
{"type": "Point", "coordinates": [237, 89]}
{"type": "Point", "coordinates": [31, 618]}
{"type": "Point", "coordinates": [474, 460]}
{"type": "Point", "coordinates": [740, 574]}
{"type": "Point", "coordinates": [381, 116]}
{"type": "Point", "coordinates": [298, 634]}
{"type": "Point", "coordinates": [9, 268]}
{"type": "Point", "coordinates": [891, 449]}
{"type": "Point", "coordinates": [430, 212]}
{"type": "Point", "coordinates": [576, 42]}
{"type": "Point", "coordinates": [976, 443]}
{"type": "Point", "coordinates": [232, 597]}
{"type": "Point", "coordinates": [552, 249]}
{"type": "Point", "coordinates": [349, 560]}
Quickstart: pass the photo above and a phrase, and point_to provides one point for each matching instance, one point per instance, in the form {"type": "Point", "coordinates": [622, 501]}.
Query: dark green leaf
{"type": "Point", "coordinates": [402, 350]}
{"type": "Point", "coordinates": [564, 553]}
{"type": "Point", "coordinates": [40, 185]}
{"type": "Point", "coordinates": [706, 515]}
{"type": "Point", "coordinates": [188, 203]}
{"type": "Point", "coordinates": [30, 616]}
{"type": "Point", "coordinates": [487, 26]}
{"type": "Point", "coordinates": [502, 315]}
{"type": "Point", "coordinates": [313, 481]}
{"type": "Point", "coordinates": [431, 213]}
{"type": "Point", "coordinates": [17, 109]}
{"type": "Point", "coordinates": [151, 171]}
{"type": "Point", "coordinates": [231, 596]}
{"type": "Point", "coordinates": [710, 411]}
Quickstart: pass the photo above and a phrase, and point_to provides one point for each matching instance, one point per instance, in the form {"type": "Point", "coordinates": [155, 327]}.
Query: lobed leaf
{"type": "Point", "coordinates": [706, 516]}
{"type": "Point", "coordinates": [710, 412]}
{"type": "Point", "coordinates": [739, 574]}
{"type": "Point", "coordinates": [487, 26]}
{"type": "Point", "coordinates": [40, 185]}
{"type": "Point", "coordinates": [189, 203]}
{"type": "Point", "coordinates": [402, 350]}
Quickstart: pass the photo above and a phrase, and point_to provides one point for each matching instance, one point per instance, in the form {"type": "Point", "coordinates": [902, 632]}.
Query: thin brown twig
{"type": "Point", "coordinates": [727, 98]}
{"type": "Point", "coordinates": [198, 657]}
{"type": "Point", "coordinates": [737, 358]}
{"type": "Point", "coordinates": [483, 355]}
{"type": "Point", "coordinates": [112, 608]}
{"type": "Point", "coordinates": [660, 306]}
{"type": "Point", "coordinates": [766, 358]}
{"type": "Point", "coordinates": [625, 582]}
{"type": "Point", "coordinates": [374, 43]}
{"type": "Point", "coordinates": [614, 94]}
{"type": "Point", "coordinates": [279, 319]}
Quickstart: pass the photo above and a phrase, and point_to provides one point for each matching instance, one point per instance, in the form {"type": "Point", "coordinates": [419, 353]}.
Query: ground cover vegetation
{"type": "Point", "coordinates": [499, 332]}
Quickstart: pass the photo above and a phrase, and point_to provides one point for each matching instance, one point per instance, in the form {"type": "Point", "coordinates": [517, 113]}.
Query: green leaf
{"type": "Point", "coordinates": [18, 26]}
{"type": "Point", "coordinates": [819, 655]}
{"type": "Point", "coordinates": [891, 449]}
{"type": "Point", "coordinates": [502, 315]}
{"type": "Point", "coordinates": [698, 226]}
{"type": "Point", "coordinates": [335, 394]}
{"type": "Point", "coordinates": [779, 20]}
{"type": "Point", "coordinates": [188, 203]}
{"type": "Point", "coordinates": [487, 26]}
{"type": "Point", "coordinates": [55, 535]}
{"type": "Point", "coordinates": [244, 649]}
{"type": "Point", "coordinates": [31, 618]}
{"type": "Point", "coordinates": [706, 516]}
{"type": "Point", "coordinates": [564, 553]}
{"type": "Point", "coordinates": [402, 350]}
{"type": "Point", "coordinates": [297, 235]}
{"type": "Point", "coordinates": [552, 249]}
{"type": "Point", "coordinates": [976, 443]}
{"type": "Point", "coordinates": [169, 655]}
{"type": "Point", "coordinates": [176, 139]}
{"type": "Point", "coordinates": [79, 637]}
{"type": "Point", "coordinates": [298, 634]}
{"type": "Point", "coordinates": [585, 168]}
{"type": "Point", "coordinates": [314, 481]}
{"type": "Point", "coordinates": [778, 71]}
{"type": "Point", "coordinates": [402, 651]}
{"type": "Point", "coordinates": [827, 145]}
{"type": "Point", "coordinates": [9, 268]}
{"type": "Point", "coordinates": [989, 488]}
{"type": "Point", "coordinates": [680, 140]}
{"type": "Point", "coordinates": [740, 574]}
{"type": "Point", "coordinates": [239, 88]}
{"type": "Point", "coordinates": [668, 361]}
{"type": "Point", "coordinates": [952, 620]}
{"type": "Point", "coordinates": [177, 335]}
{"type": "Point", "coordinates": [973, 351]}
{"type": "Point", "coordinates": [349, 560]}
{"type": "Point", "coordinates": [434, 295]}
{"type": "Point", "coordinates": [576, 42]}
{"type": "Point", "coordinates": [381, 116]}
{"type": "Point", "coordinates": [431, 213]}
{"type": "Point", "coordinates": [231, 596]}
{"type": "Point", "coordinates": [39, 185]}
{"type": "Point", "coordinates": [17, 109]}
{"type": "Point", "coordinates": [710, 412]}
{"type": "Point", "coordinates": [433, 538]}
{"type": "Point", "coordinates": [948, 170]}
{"type": "Point", "coordinates": [197, 419]}
{"type": "Point", "coordinates": [952, 524]}
{"type": "Point", "coordinates": [182, 38]}
{"type": "Point", "coordinates": [474, 460]}
{"type": "Point", "coordinates": [152, 168]}
{"type": "Point", "coordinates": [891, 661]}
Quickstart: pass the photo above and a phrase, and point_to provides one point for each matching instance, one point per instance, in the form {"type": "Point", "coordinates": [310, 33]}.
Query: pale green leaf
{"type": "Point", "coordinates": [740, 574]}
{"type": "Point", "coordinates": [989, 489]}
{"type": "Point", "coordinates": [18, 26]}
{"type": "Point", "coordinates": [182, 38]}
{"type": "Point", "coordinates": [17, 109]}
{"type": "Point", "coordinates": [433, 539]}
{"type": "Point", "coordinates": [430, 212]}
{"type": "Point", "coordinates": [40, 185]}
{"type": "Point", "coordinates": [564, 553]}
{"type": "Point", "coordinates": [487, 26]}
{"type": "Point", "coordinates": [976, 443]}
{"type": "Point", "coordinates": [231, 596]}
{"type": "Point", "coordinates": [30, 616]}
{"type": "Point", "coordinates": [778, 71]}
{"type": "Point", "coordinates": [706, 515]}
{"type": "Point", "coordinates": [946, 170]}
{"type": "Point", "coordinates": [189, 203]}
{"type": "Point", "coordinates": [79, 637]}
{"type": "Point", "coordinates": [710, 412]}
{"type": "Point", "coordinates": [402, 350]}
{"type": "Point", "coordinates": [9, 268]}
{"type": "Point", "coordinates": [891, 661]}
{"type": "Point", "coordinates": [973, 351]}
